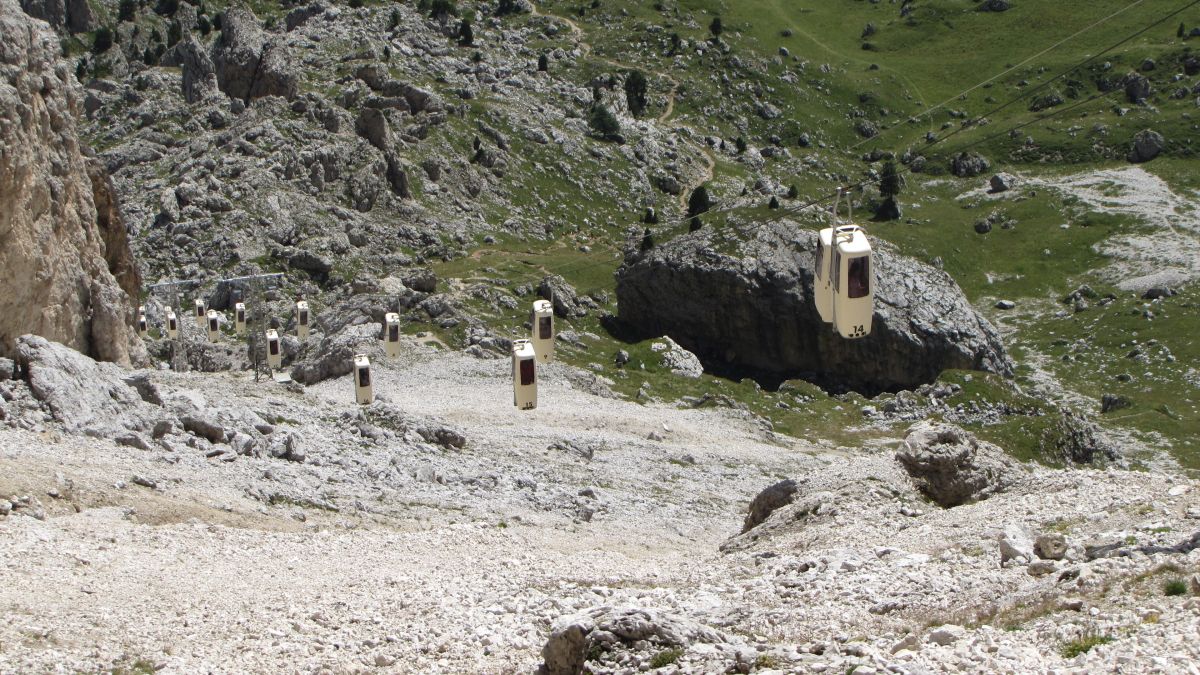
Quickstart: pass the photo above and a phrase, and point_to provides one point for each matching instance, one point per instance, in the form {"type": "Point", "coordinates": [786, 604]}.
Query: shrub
{"type": "Point", "coordinates": [890, 182]}
{"type": "Point", "coordinates": [167, 7]}
{"type": "Point", "coordinates": [1083, 645]}
{"type": "Point", "coordinates": [356, 4]}
{"type": "Point", "coordinates": [740, 143]}
{"type": "Point", "coordinates": [1175, 587]}
{"type": "Point", "coordinates": [204, 25]}
{"type": "Point", "coordinates": [506, 7]}
{"type": "Point", "coordinates": [635, 92]}
{"type": "Point", "coordinates": [793, 191]}
{"type": "Point", "coordinates": [698, 201]}
{"type": "Point", "coordinates": [694, 224]}
{"type": "Point", "coordinates": [395, 19]}
{"type": "Point", "coordinates": [466, 34]}
{"type": "Point", "coordinates": [103, 41]}
{"type": "Point", "coordinates": [543, 63]}
{"type": "Point", "coordinates": [774, 203]}
{"type": "Point", "coordinates": [440, 9]}
{"type": "Point", "coordinates": [647, 240]}
{"type": "Point", "coordinates": [603, 122]}
{"type": "Point", "coordinates": [715, 27]}
{"type": "Point", "coordinates": [127, 10]}
{"type": "Point", "coordinates": [665, 658]}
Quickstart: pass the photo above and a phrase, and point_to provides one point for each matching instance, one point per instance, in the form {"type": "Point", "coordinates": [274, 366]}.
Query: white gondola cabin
{"type": "Point", "coordinates": [143, 326]}
{"type": "Point", "coordinates": [172, 324]}
{"type": "Point", "coordinates": [843, 290]}
{"type": "Point", "coordinates": [239, 317]}
{"type": "Point", "coordinates": [542, 322]}
{"type": "Point", "coordinates": [391, 334]}
{"type": "Point", "coordinates": [214, 325]}
{"type": "Point", "coordinates": [201, 312]}
{"type": "Point", "coordinates": [274, 350]}
{"type": "Point", "coordinates": [302, 316]}
{"type": "Point", "coordinates": [524, 369]}
{"type": "Point", "coordinates": [364, 390]}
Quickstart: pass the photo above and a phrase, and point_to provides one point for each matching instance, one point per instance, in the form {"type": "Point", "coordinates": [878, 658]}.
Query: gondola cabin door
{"type": "Point", "coordinates": [823, 275]}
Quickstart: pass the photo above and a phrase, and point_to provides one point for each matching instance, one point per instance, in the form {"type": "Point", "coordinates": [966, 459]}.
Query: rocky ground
{"type": "Point", "coordinates": [365, 546]}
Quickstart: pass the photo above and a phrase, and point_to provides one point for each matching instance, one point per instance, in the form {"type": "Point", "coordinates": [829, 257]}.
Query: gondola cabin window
{"type": "Point", "coordinates": [527, 373]}
{"type": "Point", "coordinates": [541, 321]}
{"type": "Point", "coordinates": [364, 377]}
{"type": "Point", "coordinates": [859, 285]}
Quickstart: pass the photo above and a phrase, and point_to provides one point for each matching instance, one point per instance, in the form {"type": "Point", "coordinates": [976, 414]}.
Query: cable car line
{"type": "Point", "coordinates": [1001, 74]}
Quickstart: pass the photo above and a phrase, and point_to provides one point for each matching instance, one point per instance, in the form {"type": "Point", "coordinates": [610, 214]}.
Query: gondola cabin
{"type": "Point", "coordinates": [524, 368]}
{"type": "Point", "coordinates": [302, 316]}
{"type": "Point", "coordinates": [172, 324]}
{"type": "Point", "coordinates": [853, 282]}
{"type": "Point", "coordinates": [274, 350]}
{"type": "Point", "coordinates": [239, 317]}
{"type": "Point", "coordinates": [214, 325]}
{"type": "Point", "coordinates": [143, 326]}
{"type": "Point", "coordinates": [364, 392]}
{"type": "Point", "coordinates": [201, 312]}
{"type": "Point", "coordinates": [391, 334]}
{"type": "Point", "coordinates": [542, 322]}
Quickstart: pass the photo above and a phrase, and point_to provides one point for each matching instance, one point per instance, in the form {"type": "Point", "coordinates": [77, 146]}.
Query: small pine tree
{"type": "Point", "coordinates": [715, 27]}
{"type": "Point", "coordinates": [635, 92]}
{"type": "Point", "coordinates": [394, 22]}
{"type": "Point", "coordinates": [890, 181]}
{"type": "Point", "coordinates": [149, 58]}
{"type": "Point", "coordinates": [442, 9]}
{"type": "Point", "coordinates": [506, 7]}
{"type": "Point", "coordinates": [204, 25]}
{"type": "Point", "coordinates": [694, 224]}
{"type": "Point", "coordinates": [81, 70]}
{"type": "Point", "coordinates": [167, 7]}
{"type": "Point", "coordinates": [356, 4]}
{"type": "Point", "coordinates": [740, 143]}
{"type": "Point", "coordinates": [103, 41]}
{"type": "Point", "coordinates": [676, 42]}
{"type": "Point", "coordinates": [543, 63]}
{"type": "Point", "coordinates": [774, 203]}
{"type": "Point", "coordinates": [174, 33]}
{"type": "Point", "coordinates": [647, 240]}
{"type": "Point", "coordinates": [1182, 30]}
{"type": "Point", "coordinates": [466, 35]}
{"type": "Point", "coordinates": [603, 122]}
{"type": "Point", "coordinates": [127, 10]}
{"type": "Point", "coordinates": [793, 191]}
{"type": "Point", "coordinates": [698, 201]}
{"type": "Point", "coordinates": [650, 217]}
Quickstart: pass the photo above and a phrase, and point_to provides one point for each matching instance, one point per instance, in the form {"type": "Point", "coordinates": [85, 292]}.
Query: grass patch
{"type": "Point", "coordinates": [1172, 587]}
{"type": "Point", "coordinates": [666, 658]}
{"type": "Point", "coordinates": [1082, 645]}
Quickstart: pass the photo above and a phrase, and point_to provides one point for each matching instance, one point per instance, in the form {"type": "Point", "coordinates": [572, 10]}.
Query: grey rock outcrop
{"type": "Point", "coordinates": [1147, 145]}
{"type": "Point", "coordinates": [82, 394]}
{"type": "Point", "coordinates": [566, 303]}
{"type": "Point", "coordinates": [348, 329]}
{"type": "Point", "coordinates": [54, 265]}
{"type": "Point", "coordinates": [1137, 87]}
{"type": "Point", "coordinates": [952, 467]}
{"type": "Point", "coordinates": [76, 16]}
{"type": "Point", "coordinates": [248, 63]}
{"type": "Point", "coordinates": [603, 633]}
{"type": "Point", "coordinates": [766, 502]}
{"type": "Point", "coordinates": [754, 313]}
{"type": "Point", "coordinates": [969, 164]}
{"type": "Point", "coordinates": [199, 72]}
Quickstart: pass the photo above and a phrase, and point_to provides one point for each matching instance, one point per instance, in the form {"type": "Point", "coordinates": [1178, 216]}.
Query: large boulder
{"type": "Point", "coordinates": [1147, 144]}
{"type": "Point", "coordinates": [74, 16]}
{"type": "Point", "coordinates": [54, 251]}
{"type": "Point", "coordinates": [81, 394]}
{"type": "Point", "coordinates": [969, 164]}
{"type": "Point", "coordinates": [766, 502]}
{"type": "Point", "coordinates": [248, 63]}
{"type": "Point", "coordinates": [952, 467]}
{"type": "Point", "coordinates": [199, 72]}
{"type": "Point", "coordinates": [350, 328]}
{"type": "Point", "coordinates": [753, 313]}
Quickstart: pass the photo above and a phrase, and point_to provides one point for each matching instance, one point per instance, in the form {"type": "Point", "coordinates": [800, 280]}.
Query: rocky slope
{"type": "Point", "coordinates": [58, 252]}
{"type": "Point", "coordinates": [753, 311]}
{"type": "Point", "coordinates": [456, 536]}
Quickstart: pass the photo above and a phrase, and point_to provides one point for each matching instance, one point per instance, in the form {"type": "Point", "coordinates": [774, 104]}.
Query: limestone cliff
{"type": "Point", "coordinates": [55, 252]}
